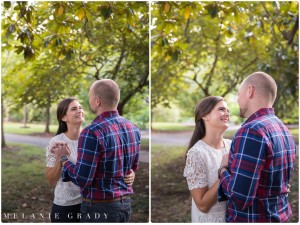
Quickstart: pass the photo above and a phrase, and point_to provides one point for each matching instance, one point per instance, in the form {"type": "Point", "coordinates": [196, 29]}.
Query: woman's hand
{"type": "Point", "coordinates": [129, 179]}
{"type": "Point", "coordinates": [60, 149]}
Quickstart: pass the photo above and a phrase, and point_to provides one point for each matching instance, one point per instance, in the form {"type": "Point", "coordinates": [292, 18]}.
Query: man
{"type": "Point", "coordinates": [261, 159]}
{"type": "Point", "coordinates": [107, 150]}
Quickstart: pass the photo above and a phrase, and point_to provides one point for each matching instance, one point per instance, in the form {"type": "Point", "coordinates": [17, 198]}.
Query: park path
{"type": "Point", "coordinates": [43, 142]}
{"type": "Point", "coordinates": [175, 138]}
{"type": "Point", "coordinates": [181, 138]}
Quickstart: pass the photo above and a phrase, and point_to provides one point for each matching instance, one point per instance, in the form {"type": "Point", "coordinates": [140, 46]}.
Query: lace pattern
{"type": "Point", "coordinates": [201, 170]}
{"type": "Point", "coordinates": [195, 170]}
{"type": "Point", "coordinates": [65, 193]}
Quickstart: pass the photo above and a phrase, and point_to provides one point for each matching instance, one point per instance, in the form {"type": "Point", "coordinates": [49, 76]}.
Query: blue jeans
{"type": "Point", "coordinates": [106, 212]}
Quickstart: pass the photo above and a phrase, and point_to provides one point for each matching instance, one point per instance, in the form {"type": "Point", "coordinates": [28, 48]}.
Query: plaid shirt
{"type": "Point", "coordinates": [261, 162]}
{"type": "Point", "coordinates": [107, 150]}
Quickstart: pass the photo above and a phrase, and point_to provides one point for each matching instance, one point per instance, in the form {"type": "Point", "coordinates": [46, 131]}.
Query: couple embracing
{"type": "Point", "coordinates": [93, 169]}
{"type": "Point", "coordinates": [246, 179]}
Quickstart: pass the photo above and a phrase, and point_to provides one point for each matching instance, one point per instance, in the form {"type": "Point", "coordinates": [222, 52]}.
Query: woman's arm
{"type": "Point", "coordinates": [205, 198]}
{"type": "Point", "coordinates": [53, 174]}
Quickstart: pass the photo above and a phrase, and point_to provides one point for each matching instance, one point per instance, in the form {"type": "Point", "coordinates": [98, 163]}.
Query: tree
{"type": "Point", "coordinates": [65, 44]}
{"type": "Point", "coordinates": [3, 143]}
{"type": "Point", "coordinates": [216, 44]}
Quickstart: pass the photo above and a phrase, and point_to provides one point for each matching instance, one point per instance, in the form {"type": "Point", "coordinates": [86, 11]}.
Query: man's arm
{"type": "Point", "coordinates": [137, 156]}
{"type": "Point", "coordinates": [247, 162]}
{"type": "Point", "coordinates": [136, 161]}
{"type": "Point", "coordinates": [83, 172]}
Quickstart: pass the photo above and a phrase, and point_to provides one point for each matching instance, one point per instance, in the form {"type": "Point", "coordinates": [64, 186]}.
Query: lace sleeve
{"type": "Point", "coordinates": [50, 157]}
{"type": "Point", "coordinates": [195, 170]}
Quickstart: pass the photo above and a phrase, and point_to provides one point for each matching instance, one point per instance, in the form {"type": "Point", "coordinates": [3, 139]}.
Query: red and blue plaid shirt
{"type": "Point", "coordinates": [261, 162]}
{"type": "Point", "coordinates": [107, 150]}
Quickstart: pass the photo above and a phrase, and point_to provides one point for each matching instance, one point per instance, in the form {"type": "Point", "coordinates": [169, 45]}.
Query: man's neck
{"type": "Point", "coordinates": [257, 105]}
{"type": "Point", "coordinates": [102, 110]}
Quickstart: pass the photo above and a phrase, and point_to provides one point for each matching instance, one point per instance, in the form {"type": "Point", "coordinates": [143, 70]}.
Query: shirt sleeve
{"type": "Point", "coordinates": [195, 170]}
{"type": "Point", "coordinates": [83, 172]}
{"type": "Point", "coordinates": [246, 161]}
{"type": "Point", "coordinates": [50, 157]}
{"type": "Point", "coordinates": [136, 162]}
{"type": "Point", "coordinates": [137, 155]}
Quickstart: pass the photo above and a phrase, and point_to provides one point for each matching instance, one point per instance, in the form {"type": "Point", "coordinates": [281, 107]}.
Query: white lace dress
{"type": "Point", "coordinates": [201, 170]}
{"type": "Point", "coordinates": [66, 193]}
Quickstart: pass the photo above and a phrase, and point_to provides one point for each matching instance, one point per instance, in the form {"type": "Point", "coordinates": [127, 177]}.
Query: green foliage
{"type": "Point", "coordinates": [216, 45]}
{"type": "Point", "coordinates": [162, 114]}
{"type": "Point", "coordinates": [137, 111]}
{"type": "Point", "coordinates": [66, 46]}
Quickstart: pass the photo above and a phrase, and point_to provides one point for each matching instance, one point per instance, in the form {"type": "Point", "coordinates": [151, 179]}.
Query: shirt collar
{"type": "Point", "coordinates": [106, 115]}
{"type": "Point", "coordinates": [259, 113]}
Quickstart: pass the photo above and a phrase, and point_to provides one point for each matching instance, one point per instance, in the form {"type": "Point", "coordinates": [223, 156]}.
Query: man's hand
{"type": "Point", "coordinates": [60, 149]}
{"type": "Point", "coordinates": [224, 161]}
{"type": "Point", "coordinates": [129, 179]}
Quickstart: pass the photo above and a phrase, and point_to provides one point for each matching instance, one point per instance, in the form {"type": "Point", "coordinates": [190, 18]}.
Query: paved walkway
{"type": "Point", "coordinates": [180, 138]}
{"type": "Point", "coordinates": [43, 142]}
{"type": "Point", "coordinates": [176, 138]}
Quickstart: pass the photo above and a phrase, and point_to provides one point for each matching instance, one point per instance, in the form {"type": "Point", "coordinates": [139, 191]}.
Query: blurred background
{"type": "Point", "coordinates": [200, 49]}
{"type": "Point", "coordinates": [54, 50]}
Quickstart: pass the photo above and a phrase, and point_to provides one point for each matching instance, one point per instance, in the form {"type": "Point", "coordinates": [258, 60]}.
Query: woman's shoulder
{"type": "Point", "coordinates": [59, 137]}
{"type": "Point", "coordinates": [197, 149]}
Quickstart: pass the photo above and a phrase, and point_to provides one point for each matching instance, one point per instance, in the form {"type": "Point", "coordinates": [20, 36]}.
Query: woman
{"type": "Point", "coordinates": [67, 197]}
{"type": "Point", "coordinates": [206, 149]}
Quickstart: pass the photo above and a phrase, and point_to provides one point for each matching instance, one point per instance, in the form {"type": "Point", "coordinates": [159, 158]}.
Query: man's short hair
{"type": "Point", "coordinates": [264, 84]}
{"type": "Point", "coordinates": [108, 91]}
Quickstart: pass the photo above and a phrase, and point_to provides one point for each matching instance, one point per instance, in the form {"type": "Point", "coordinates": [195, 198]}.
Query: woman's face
{"type": "Point", "coordinates": [219, 116]}
{"type": "Point", "coordinates": [74, 114]}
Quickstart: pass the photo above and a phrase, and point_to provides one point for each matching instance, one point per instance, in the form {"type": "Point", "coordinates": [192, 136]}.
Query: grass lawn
{"type": "Point", "coordinates": [26, 192]}
{"type": "Point", "coordinates": [170, 197]}
{"type": "Point", "coordinates": [18, 128]}
{"type": "Point", "coordinates": [172, 127]}
{"type": "Point", "coordinates": [38, 129]}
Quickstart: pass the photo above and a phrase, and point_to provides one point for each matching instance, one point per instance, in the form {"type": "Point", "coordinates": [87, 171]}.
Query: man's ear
{"type": "Point", "coordinates": [250, 91]}
{"type": "Point", "coordinates": [98, 101]}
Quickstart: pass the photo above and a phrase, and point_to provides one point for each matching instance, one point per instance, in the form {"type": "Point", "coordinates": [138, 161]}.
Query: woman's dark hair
{"type": "Point", "coordinates": [61, 112]}
{"type": "Point", "coordinates": [203, 108]}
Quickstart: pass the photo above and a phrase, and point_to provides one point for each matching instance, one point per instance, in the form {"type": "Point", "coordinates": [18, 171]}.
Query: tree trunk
{"type": "Point", "coordinates": [151, 120]}
{"type": "Point", "coordinates": [120, 108]}
{"type": "Point", "coordinates": [25, 116]}
{"type": "Point", "coordinates": [3, 144]}
{"type": "Point", "coordinates": [47, 130]}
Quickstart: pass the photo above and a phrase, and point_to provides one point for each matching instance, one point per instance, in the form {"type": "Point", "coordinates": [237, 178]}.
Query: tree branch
{"type": "Point", "coordinates": [118, 65]}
